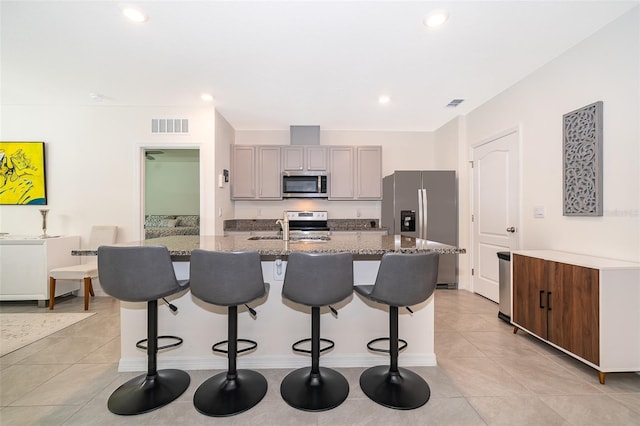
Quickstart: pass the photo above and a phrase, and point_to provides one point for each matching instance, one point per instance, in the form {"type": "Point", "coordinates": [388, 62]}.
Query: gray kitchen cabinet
{"type": "Point", "coordinates": [269, 173]}
{"type": "Point", "coordinates": [293, 158]}
{"type": "Point", "coordinates": [355, 173]}
{"type": "Point", "coordinates": [316, 157]}
{"type": "Point", "coordinates": [255, 172]}
{"type": "Point", "coordinates": [304, 158]}
{"type": "Point", "coordinates": [243, 172]}
{"type": "Point", "coordinates": [369, 172]}
{"type": "Point", "coordinates": [341, 173]}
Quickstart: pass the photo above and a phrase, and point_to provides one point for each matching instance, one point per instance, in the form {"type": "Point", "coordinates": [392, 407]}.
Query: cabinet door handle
{"type": "Point", "coordinates": [540, 299]}
{"type": "Point", "coordinates": [549, 301]}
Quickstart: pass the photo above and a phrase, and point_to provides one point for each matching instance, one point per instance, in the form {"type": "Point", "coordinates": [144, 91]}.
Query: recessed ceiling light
{"type": "Point", "coordinates": [436, 18]}
{"type": "Point", "coordinates": [384, 99]}
{"type": "Point", "coordinates": [206, 97]}
{"type": "Point", "coordinates": [98, 97]}
{"type": "Point", "coordinates": [134, 14]}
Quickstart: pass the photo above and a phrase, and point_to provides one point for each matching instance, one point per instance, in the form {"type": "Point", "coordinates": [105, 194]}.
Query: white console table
{"type": "Point", "coordinates": [25, 263]}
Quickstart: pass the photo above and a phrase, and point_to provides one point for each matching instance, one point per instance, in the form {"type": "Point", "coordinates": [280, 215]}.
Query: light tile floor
{"type": "Point", "coordinates": [485, 375]}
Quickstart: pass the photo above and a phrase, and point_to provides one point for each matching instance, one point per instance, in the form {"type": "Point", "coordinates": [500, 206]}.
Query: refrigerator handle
{"type": "Point", "coordinates": [420, 214]}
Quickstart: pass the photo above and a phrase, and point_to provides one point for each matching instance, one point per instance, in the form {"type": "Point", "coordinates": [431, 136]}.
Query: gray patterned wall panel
{"type": "Point", "coordinates": [582, 154]}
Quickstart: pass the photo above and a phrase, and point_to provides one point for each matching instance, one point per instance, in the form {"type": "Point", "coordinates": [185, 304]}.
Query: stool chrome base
{"type": "Point", "coordinates": [221, 396]}
{"type": "Point", "coordinates": [402, 390]}
{"type": "Point", "coordinates": [146, 393]}
{"type": "Point", "coordinates": [314, 392]}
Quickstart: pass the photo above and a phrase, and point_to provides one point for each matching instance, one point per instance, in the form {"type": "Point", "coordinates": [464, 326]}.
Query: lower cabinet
{"type": "Point", "coordinates": [25, 264]}
{"type": "Point", "coordinates": [588, 307]}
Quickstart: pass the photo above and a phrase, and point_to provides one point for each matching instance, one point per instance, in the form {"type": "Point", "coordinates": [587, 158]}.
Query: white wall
{"type": "Point", "coordinates": [94, 164]}
{"type": "Point", "coordinates": [224, 207]}
{"type": "Point", "coordinates": [449, 142]}
{"type": "Point", "coordinates": [446, 145]}
{"type": "Point", "coordinates": [172, 185]}
{"type": "Point", "coordinates": [400, 151]}
{"type": "Point", "coordinates": [603, 67]}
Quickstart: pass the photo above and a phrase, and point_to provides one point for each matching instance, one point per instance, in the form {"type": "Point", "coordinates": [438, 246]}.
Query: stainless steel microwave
{"type": "Point", "coordinates": [304, 185]}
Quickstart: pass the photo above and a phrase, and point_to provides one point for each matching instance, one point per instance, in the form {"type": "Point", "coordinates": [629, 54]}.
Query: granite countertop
{"type": "Point", "coordinates": [363, 245]}
{"type": "Point", "coordinates": [257, 225]}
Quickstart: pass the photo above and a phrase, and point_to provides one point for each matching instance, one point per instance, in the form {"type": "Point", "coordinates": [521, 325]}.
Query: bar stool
{"type": "Point", "coordinates": [229, 279]}
{"type": "Point", "coordinates": [402, 280]}
{"type": "Point", "coordinates": [316, 280]}
{"type": "Point", "coordinates": [143, 274]}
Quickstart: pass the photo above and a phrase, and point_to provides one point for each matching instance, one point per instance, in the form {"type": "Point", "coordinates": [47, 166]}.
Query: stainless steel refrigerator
{"type": "Point", "coordinates": [424, 204]}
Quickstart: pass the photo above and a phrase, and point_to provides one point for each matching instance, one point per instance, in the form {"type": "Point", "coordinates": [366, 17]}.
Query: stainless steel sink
{"type": "Point", "coordinates": [293, 239]}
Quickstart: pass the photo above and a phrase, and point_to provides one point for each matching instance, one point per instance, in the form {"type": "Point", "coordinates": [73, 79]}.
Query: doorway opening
{"type": "Point", "coordinates": [171, 192]}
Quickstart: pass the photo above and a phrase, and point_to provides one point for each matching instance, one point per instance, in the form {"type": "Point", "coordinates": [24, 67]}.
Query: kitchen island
{"type": "Point", "coordinates": [276, 326]}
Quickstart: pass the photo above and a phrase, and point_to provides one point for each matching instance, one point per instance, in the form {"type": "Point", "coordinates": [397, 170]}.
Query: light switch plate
{"type": "Point", "coordinates": [538, 212]}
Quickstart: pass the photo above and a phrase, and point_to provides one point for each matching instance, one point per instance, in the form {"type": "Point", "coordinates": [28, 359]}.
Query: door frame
{"type": "Point", "coordinates": [518, 237]}
{"type": "Point", "coordinates": [139, 203]}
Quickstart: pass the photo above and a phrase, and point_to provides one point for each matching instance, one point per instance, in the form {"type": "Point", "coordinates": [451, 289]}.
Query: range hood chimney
{"type": "Point", "coordinates": [305, 135]}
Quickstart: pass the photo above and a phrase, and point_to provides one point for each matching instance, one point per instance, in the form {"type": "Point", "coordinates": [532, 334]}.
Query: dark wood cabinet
{"type": "Point", "coordinates": [529, 294]}
{"type": "Point", "coordinates": [586, 306]}
{"type": "Point", "coordinates": [559, 303]}
{"type": "Point", "coordinates": [573, 314]}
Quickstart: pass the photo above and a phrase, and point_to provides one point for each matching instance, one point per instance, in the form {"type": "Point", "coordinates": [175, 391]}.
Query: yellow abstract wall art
{"type": "Point", "coordinates": [22, 173]}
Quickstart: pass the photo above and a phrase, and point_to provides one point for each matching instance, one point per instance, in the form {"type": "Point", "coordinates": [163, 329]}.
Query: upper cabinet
{"type": "Point", "coordinates": [355, 173]}
{"type": "Point", "coordinates": [316, 157]}
{"type": "Point", "coordinates": [341, 173]}
{"type": "Point", "coordinates": [293, 158]}
{"type": "Point", "coordinates": [304, 158]}
{"type": "Point", "coordinates": [243, 172]}
{"type": "Point", "coordinates": [269, 174]}
{"type": "Point", "coordinates": [256, 172]}
{"type": "Point", "coordinates": [369, 172]}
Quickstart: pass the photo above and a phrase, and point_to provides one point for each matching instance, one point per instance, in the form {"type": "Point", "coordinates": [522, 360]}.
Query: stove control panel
{"type": "Point", "coordinates": [308, 215]}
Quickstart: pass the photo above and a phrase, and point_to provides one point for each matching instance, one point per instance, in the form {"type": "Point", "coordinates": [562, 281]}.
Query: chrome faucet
{"type": "Point", "coordinates": [284, 223]}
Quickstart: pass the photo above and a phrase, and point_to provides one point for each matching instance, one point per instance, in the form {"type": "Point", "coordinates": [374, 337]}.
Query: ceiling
{"type": "Point", "coordinates": [273, 64]}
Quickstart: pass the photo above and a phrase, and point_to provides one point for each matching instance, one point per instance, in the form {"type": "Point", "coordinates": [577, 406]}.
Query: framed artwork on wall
{"type": "Point", "coordinates": [582, 155]}
{"type": "Point", "coordinates": [22, 173]}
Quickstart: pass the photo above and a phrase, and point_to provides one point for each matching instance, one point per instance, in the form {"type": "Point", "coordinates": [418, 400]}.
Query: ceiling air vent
{"type": "Point", "coordinates": [169, 125]}
{"type": "Point", "coordinates": [454, 103]}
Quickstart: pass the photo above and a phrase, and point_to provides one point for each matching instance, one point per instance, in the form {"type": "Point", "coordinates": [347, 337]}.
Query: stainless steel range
{"type": "Point", "coordinates": [308, 225]}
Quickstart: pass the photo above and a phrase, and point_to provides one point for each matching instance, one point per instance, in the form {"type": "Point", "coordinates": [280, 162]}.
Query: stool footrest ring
{"type": "Point", "coordinates": [140, 343]}
{"type": "Point", "coordinates": [252, 345]}
{"type": "Point", "coordinates": [330, 345]}
{"type": "Point", "coordinates": [403, 344]}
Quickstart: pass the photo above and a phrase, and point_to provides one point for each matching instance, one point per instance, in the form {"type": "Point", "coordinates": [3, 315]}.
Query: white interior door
{"type": "Point", "coordinates": [495, 208]}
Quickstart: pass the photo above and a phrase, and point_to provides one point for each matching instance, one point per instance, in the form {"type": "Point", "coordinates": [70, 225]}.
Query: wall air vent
{"type": "Point", "coordinates": [169, 125]}
{"type": "Point", "coordinates": [454, 103]}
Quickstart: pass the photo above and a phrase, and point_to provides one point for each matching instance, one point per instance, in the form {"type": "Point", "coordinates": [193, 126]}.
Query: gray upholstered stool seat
{"type": "Point", "coordinates": [316, 280]}
{"type": "Point", "coordinates": [229, 279]}
{"type": "Point", "coordinates": [402, 280]}
{"type": "Point", "coordinates": [143, 274]}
